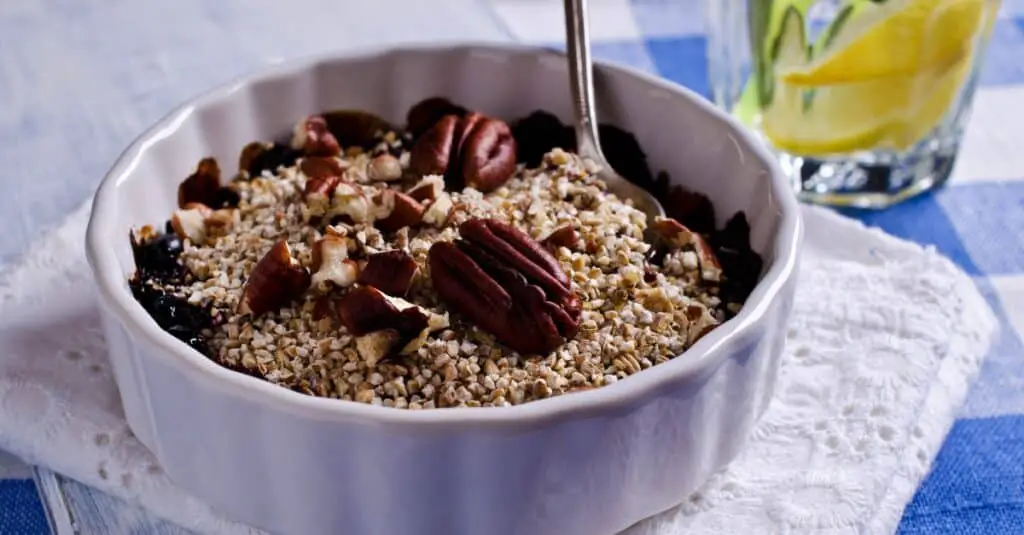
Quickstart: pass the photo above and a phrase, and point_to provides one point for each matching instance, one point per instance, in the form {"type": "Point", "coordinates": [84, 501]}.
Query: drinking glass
{"type": "Point", "coordinates": [864, 101]}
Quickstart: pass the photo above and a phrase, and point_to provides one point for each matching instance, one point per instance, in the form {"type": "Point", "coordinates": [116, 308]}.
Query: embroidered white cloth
{"type": "Point", "coordinates": [885, 338]}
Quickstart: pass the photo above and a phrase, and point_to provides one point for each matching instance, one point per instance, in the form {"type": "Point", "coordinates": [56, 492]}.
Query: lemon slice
{"type": "Point", "coordinates": [898, 37]}
{"type": "Point", "coordinates": [884, 76]}
{"type": "Point", "coordinates": [886, 113]}
{"type": "Point", "coordinates": [877, 86]}
{"type": "Point", "coordinates": [939, 96]}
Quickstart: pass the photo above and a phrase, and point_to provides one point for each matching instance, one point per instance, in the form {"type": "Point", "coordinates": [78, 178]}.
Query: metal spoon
{"type": "Point", "coordinates": [588, 145]}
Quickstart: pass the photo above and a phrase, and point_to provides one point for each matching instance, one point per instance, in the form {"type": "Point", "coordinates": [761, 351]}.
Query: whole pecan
{"type": "Point", "coordinates": [473, 150]}
{"type": "Point", "coordinates": [355, 128]}
{"type": "Point", "coordinates": [425, 113]}
{"type": "Point", "coordinates": [506, 283]}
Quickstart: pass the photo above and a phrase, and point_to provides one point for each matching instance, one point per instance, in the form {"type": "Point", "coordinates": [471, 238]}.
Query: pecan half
{"type": "Point", "coordinates": [312, 137]}
{"type": "Point", "coordinates": [354, 128]}
{"type": "Point", "coordinates": [438, 211]}
{"type": "Point", "coordinates": [197, 222]}
{"type": "Point", "coordinates": [433, 150]}
{"type": "Point", "coordinates": [391, 272]}
{"type": "Point", "coordinates": [507, 284]}
{"type": "Point", "coordinates": [277, 279]}
{"type": "Point", "coordinates": [366, 309]}
{"type": "Point", "coordinates": [319, 167]}
{"type": "Point", "coordinates": [401, 211]}
{"type": "Point", "coordinates": [427, 189]}
{"type": "Point", "coordinates": [322, 176]}
{"type": "Point", "coordinates": [385, 325]}
{"type": "Point", "coordinates": [190, 222]}
{"type": "Point", "coordinates": [563, 236]}
{"type": "Point", "coordinates": [474, 150]}
{"type": "Point", "coordinates": [203, 187]}
{"type": "Point", "coordinates": [250, 154]}
{"type": "Point", "coordinates": [323, 307]}
{"type": "Point", "coordinates": [429, 111]}
{"type": "Point", "coordinates": [331, 265]}
{"type": "Point", "coordinates": [348, 203]}
{"type": "Point", "coordinates": [676, 236]}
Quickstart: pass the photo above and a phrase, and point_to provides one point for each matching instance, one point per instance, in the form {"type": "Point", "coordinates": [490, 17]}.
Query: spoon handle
{"type": "Point", "coordinates": [581, 79]}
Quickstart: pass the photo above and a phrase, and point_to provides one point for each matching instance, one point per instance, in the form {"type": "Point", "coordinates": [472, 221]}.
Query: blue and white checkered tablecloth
{"type": "Point", "coordinates": [977, 482]}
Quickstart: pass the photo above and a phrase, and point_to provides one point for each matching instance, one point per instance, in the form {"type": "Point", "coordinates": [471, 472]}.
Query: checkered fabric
{"type": "Point", "coordinates": [977, 483]}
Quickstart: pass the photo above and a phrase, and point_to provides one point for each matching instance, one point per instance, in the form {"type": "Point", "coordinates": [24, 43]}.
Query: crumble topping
{"type": "Point", "coordinates": [639, 306]}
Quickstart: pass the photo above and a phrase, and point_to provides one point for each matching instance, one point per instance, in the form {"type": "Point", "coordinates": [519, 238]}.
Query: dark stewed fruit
{"type": "Point", "coordinates": [156, 262]}
{"type": "Point", "coordinates": [741, 264]}
{"type": "Point", "coordinates": [156, 258]}
{"type": "Point", "coordinates": [538, 133]}
{"type": "Point", "coordinates": [173, 314]}
{"type": "Point", "coordinates": [277, 155]}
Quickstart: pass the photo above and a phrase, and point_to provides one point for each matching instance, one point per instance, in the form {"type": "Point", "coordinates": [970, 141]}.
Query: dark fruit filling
{"type": "Point", "coordinates": [278, 155]}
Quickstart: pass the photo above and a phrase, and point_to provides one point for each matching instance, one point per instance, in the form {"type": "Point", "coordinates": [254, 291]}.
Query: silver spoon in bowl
{"type": "Point", "coordinates": [588, 145]}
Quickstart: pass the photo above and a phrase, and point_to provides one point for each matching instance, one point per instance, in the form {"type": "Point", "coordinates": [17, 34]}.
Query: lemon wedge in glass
{"type": "Point", "coordinates": [895, 38]}
{"type": "Point", "coordinates": [886, 113]}
{"type": "Point", "coordinates": [884, 76]}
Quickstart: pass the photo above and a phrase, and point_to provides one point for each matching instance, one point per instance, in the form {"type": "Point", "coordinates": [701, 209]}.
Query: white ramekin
{"type": "Point", "coordinates": [584, 463]}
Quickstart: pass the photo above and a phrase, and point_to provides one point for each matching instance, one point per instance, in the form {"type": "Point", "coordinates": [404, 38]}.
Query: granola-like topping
{"type": "Point", "coordinates": [373, 325]}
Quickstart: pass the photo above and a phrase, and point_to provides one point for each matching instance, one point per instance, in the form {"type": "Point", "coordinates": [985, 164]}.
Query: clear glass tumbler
{"type": "Point", "coordinates": [864, 101]}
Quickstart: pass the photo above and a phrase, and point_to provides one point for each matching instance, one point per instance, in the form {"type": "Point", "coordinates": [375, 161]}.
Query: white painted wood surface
{"type": "Point", "coordinates": [74, 508]}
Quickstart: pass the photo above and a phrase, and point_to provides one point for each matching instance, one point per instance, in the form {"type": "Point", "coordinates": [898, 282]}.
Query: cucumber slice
{"type": "Point", "coordinates": [787, 33]}
{"type": "Point", "coordinates": [834, 27]}
{"type": "Point", "coordinates": [825, 40]}
{"type": "Point", "coordinates": [769, 23]}
{"type": "Point", "coordinates": [789, 49]}
{"type": "Point", "coordinates": [759, 25]}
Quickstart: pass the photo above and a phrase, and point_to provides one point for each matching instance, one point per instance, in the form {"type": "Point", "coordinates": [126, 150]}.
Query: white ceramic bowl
{"type": "Point", "coordinates": [588, 463]}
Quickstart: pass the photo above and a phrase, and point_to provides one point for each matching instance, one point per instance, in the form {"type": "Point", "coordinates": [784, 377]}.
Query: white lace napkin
{"type": "Point", "coordinates": [884, 341]}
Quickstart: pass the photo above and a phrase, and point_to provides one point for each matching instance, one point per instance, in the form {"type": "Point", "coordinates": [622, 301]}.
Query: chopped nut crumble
{"type": "Point", "coordinates": [639, 304]}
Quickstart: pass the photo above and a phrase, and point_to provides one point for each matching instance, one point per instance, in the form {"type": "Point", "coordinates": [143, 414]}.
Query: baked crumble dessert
{"type": "Point", "coordinates": [458, 261]}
